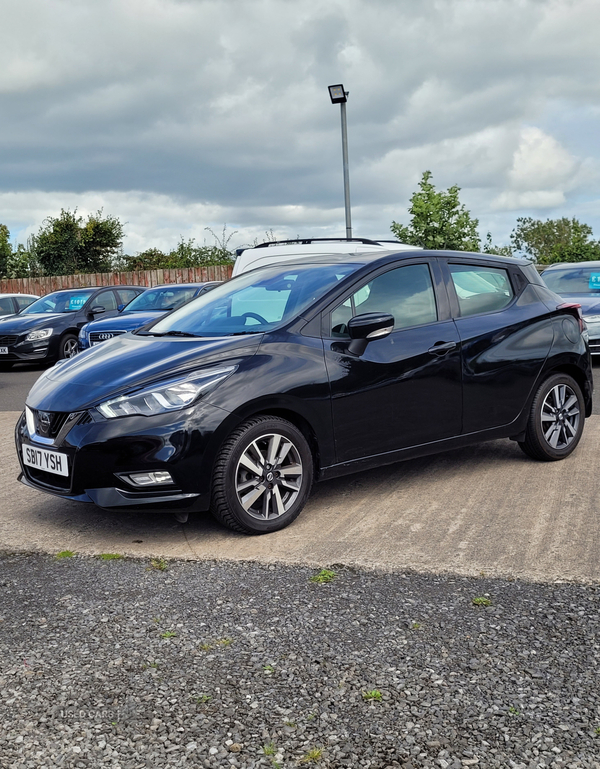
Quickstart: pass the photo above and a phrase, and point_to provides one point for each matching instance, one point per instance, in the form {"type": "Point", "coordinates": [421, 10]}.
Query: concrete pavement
{"type": "Point", "coordinates": [483, 509]}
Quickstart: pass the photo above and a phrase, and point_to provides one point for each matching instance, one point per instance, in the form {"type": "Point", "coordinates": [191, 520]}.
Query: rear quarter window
{"type": "Point", "coordinates": [481, 289]}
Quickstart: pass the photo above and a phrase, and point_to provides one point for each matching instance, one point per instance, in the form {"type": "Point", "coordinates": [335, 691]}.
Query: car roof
{"type": "Point", "coordinates": [570, 265]}
{"type": "Point", "coordinates": [19, 293]}
{"type": "Point", "coordinates": [180, 285]}
{"type": "Point", "coordinates": [88, 288]}
{"type": "Point", "coordinates": [370, 257]}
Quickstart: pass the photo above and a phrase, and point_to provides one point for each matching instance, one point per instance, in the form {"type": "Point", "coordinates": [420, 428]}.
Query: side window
{"type": "Point", "coordinates": [24, 301]}
{"type": "Point", "coordinates": [480, 289]}
{"type": "Point", "coordinates": [406, 293]}
{"type": "Point", "coordinates": [6, 306]}
{"type": "Point", "coordinates": [126, 295]}
{"type": "Point", "coordinates": [105, 299]}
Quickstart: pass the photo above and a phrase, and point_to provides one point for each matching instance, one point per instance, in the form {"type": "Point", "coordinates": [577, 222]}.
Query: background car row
{"type": "Point", "coordinates": [47, 329]}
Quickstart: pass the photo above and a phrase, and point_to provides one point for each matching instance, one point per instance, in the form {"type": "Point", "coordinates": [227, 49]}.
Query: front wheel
{"type": "Point", "coordinates": [67, 347]}
{"type": "Point", "coordinates": [556, 419]}
{"type": "Point", "coordinates": [262, 476]}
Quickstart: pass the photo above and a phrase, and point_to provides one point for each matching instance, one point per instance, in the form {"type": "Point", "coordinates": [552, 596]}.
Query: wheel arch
{"type": "Point", "coordinates": [276, 410]}
{"type": "Point", "coordinates": [578, 375]}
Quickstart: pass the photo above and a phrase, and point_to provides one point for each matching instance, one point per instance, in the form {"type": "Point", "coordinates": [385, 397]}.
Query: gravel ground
{"type": "Point", "coordinates": [117, 663]}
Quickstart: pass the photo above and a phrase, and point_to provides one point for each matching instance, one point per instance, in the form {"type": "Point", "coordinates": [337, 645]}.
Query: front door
{"type": "Point", "coordinates": [405, 390]}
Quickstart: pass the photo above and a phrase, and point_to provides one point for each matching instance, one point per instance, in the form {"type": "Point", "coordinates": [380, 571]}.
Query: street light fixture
{"type": "Point", "coordinates": [338, 95]}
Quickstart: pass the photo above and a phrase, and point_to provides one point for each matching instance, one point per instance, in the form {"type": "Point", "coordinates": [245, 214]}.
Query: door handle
{"type": "Point", "coordinates": [441, 348]}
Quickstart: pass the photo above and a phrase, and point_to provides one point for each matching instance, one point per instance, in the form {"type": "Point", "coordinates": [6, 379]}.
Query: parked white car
{"type": "Point", "coordinates": [11, 304]}
{"type": "Point", "coordinates": [290, 250]}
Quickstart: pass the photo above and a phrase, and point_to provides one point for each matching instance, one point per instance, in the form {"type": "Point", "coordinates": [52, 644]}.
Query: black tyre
{"type": "Point", "coordinates": [67, 346]}
{"type": "Point", "coordinates": [556, 419]}
{"type": "Point", "coordinates": [262, 477]}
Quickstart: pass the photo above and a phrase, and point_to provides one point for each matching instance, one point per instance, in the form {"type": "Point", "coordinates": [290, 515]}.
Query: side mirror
{"type": "Point", "coordinates": [96, 310]}
{"type": "Point", "coordinates": [364, 328]}
{"type": "Point", "coordinates": [120, 307]}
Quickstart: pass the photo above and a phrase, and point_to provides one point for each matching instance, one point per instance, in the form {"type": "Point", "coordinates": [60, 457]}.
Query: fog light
{"type": "Point", "coordinates": [150, 479]}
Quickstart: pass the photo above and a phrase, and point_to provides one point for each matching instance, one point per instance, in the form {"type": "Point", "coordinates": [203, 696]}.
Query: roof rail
{"type": "Point", "coordinates": [305, 241]}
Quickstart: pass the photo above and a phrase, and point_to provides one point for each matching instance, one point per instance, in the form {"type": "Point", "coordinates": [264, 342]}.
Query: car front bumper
{"type": "Point", "coordinates": [101, 455]}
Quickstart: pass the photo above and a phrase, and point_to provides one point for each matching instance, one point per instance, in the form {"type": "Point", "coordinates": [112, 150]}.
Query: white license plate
{"type": "Point", "coordinates": [3, 350]}
{"type": "Point", "coordinates": [42, 459]}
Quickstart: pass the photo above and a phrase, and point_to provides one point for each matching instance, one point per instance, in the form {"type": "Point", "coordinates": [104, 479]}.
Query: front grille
{"type": "Point", "coordinates": [8, 339]}
{"type": "Point", "coordinates": [49, 424]}
{"type": "Point", "coordinates": [103, 336]}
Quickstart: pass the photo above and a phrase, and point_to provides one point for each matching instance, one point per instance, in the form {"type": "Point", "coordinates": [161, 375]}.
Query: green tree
{"type": "Point", "coordinates": [185, 254]}
{"type": "Point", "coordinates": [555, 240]}
{"type": "Point", "coordinates": [67, 244]}
{"type": "Point", "coordinates": [5, 248]}
{"type": "Point", "coordinates": [490, 248]}
{"type": "Point", "coordinates": [439, 220]}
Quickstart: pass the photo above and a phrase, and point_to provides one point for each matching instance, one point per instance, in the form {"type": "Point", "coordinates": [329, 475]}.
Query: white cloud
{"type": "Point", "coordinates": [178, 114]}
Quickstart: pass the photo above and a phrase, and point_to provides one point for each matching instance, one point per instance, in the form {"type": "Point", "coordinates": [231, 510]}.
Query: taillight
{"type": "Point", "coordinates": [575, 310]}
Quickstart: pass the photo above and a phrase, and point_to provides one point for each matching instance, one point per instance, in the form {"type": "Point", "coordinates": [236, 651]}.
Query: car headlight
{"type": "Point", "coordinates": [165, 396]}
{"type": "Point", "coordinates": [42, 333]}
{"type": "Point", "coordinates": [591, 318]}
{"type": "Point", "coordinates": [83, 331]}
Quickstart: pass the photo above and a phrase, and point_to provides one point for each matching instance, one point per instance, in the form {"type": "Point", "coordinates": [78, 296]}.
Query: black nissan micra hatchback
{"type": "Point", "coordinates": [304, 371]}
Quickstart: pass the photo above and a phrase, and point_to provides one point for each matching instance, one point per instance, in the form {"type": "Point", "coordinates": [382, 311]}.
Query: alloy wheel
{"type": "Point", "coordinates": [268, 476]}
{"type": "Point", "coordinates": [560, 415]}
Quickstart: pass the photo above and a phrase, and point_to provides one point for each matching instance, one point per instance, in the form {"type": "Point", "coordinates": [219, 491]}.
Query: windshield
{"type": "Point", "coordinates": [162, 299]}
{"type": "Point", "coordinates": [59, 301]}
{"type": "Point", "coordinates": [578, 280]}
{"type": "Point", "coordinates": [254, 302]}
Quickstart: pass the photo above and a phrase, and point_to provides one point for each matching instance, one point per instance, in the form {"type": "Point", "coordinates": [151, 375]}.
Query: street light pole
{"type": "Point", "coordinates": [339, 96]}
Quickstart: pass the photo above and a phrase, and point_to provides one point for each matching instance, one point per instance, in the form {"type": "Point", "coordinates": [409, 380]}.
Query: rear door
{"type": "Point", "coordinates": [405, 389]}
{"type": "Point", "coordinates": [505, 333]}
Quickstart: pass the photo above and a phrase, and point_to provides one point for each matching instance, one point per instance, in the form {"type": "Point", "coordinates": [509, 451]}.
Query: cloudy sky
{"type": "Point", "coordinates": [178, 115]}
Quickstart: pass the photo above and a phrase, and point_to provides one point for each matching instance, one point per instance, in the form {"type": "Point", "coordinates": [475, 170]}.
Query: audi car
{"type": "Point", "coordinates": [149, 305]}
{"type": "Point", "coordinates": [239, 400]}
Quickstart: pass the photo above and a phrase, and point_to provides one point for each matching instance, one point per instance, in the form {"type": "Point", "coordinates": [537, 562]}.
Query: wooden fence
{"type": "Point", "coordinates": [42, 286]}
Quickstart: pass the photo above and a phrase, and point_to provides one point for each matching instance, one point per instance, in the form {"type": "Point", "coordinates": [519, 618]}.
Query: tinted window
{"type": "Point", "coordinates": [24, 301]}
{"type": "Point", "coordinates": [480, 289]}
{"type": "Point", "coordinates": [162, 298]}
{"type": "Point", "coordinates": [126, 295]}
{"type": "Point", "coordinates": [576, 280]}
{"type": "Point", "coordinates": [254, 301]}
{"type": "Point", "coordinates": [406, 293]}
{"type": "Point", "coordinates": [6, 305]}
{"type": "Point", "coordinates": [60, 301]}
{"type": "Point", "coordinates": [105, 299]}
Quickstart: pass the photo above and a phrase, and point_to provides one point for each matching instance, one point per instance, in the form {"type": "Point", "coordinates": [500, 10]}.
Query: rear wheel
{"type": "Point", "coordinates": [262, 477]}
{"type": "Point", "coordinates": [556, 419]}
{"type": "Point", "coordinates": [67, 347]}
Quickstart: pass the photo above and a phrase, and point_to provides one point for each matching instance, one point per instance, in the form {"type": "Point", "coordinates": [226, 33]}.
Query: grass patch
{"type": "Point", "coordinates": [481, 600]}
{"type": "Point", "coordinates": [168, 634]}
{"type": "Point", "coordinates": [111, 556]}
{"type": "Point", "coordinates": [314, 754]}
{"type": "Point", "coordinates": [324, 576]}
{"type": "Point", "coordinates": [373, 696]}
{"type": "Point", "coordinates": [159, 564]}
{"type": "Point", "coordinates": [269, 749]}
{"type": "Point", "coordinates": [64, 554]}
